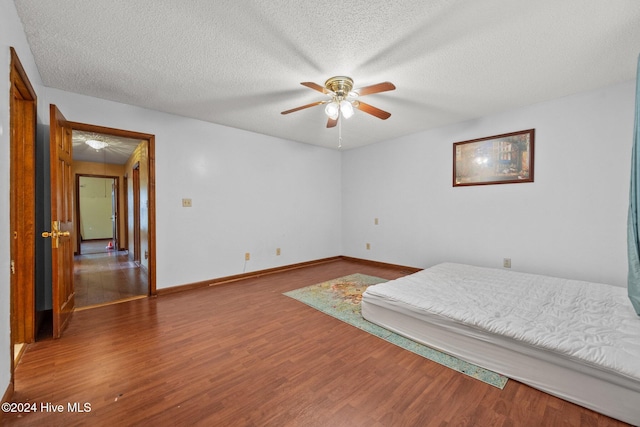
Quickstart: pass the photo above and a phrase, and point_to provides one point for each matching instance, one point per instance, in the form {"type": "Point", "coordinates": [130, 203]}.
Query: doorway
{"type": "Point", "coordinates": [97, 210]}
{"type": "Point", "coordinates": [103, 270]}
{"type": "Point", "coordinates": [97, 150]}
{"type": "Point", "coordinates": [107, 263]}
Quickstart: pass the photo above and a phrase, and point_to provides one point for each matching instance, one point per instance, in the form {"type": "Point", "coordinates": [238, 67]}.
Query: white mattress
{"type": "Point", "coordinates": [577, 340]}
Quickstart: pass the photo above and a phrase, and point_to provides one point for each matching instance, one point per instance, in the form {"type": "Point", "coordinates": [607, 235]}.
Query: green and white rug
{"type": "Point", "coordinates": [341, 298]}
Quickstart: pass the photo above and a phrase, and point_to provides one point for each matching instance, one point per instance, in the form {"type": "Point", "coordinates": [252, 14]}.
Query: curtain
{"type": "Point", "coordinates": [633, 238]}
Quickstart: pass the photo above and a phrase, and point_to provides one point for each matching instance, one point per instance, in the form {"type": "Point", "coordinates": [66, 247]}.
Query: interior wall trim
{"type": "Point", "coordinates": [405, 268]}
{"type": "Point", "coordinates": [258, 273]}
{"type": "Point", "coordinates": [237, 277]}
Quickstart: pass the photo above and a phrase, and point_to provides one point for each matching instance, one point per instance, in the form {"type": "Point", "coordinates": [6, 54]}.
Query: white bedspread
{"type": "Point", "coordinates": [590, 322]}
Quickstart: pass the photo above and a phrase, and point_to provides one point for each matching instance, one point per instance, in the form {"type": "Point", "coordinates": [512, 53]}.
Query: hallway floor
{"type": "Point", "coordinates": [103, 276]}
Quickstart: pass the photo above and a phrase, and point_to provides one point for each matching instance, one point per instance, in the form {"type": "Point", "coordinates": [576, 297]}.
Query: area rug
{"type": "Point", "coordinates": [341, 298]}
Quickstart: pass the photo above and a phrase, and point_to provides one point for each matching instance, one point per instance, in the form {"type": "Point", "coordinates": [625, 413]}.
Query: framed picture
{"type": "Point", "coordinates": [499, 159]}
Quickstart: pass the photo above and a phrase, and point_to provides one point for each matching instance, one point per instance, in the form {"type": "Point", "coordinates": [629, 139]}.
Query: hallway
{"type": "Point", "coordinates": [104, 276]}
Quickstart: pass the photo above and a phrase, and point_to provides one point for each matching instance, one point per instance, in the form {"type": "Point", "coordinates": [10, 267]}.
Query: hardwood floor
{"type": "Point", "coordinates": [98, 246]}
{"type": "Point", "coordinates": [243, 354]}
{"type": "Point", "coordinates": [104, 276]}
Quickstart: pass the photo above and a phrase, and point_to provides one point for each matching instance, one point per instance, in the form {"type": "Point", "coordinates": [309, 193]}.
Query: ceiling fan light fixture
{"type": "Point", "coordinates": [95, 144]}
{"type": "Point", "coordinates": [346, 108]}
{"type": "Point", "coordinates": [343, 99]}
{"type": "Point", "coordinates": [332, 110]}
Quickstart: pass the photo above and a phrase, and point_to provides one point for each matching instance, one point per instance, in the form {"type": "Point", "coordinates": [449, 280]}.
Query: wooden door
{"type": "Point", "coordinates": [23, 103]}
{"type": "Point", "coordinates": [61, 220]}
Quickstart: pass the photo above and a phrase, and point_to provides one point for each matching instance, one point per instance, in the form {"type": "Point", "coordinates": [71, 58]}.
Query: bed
{"type": "Point", "coordinates": [576, 340]}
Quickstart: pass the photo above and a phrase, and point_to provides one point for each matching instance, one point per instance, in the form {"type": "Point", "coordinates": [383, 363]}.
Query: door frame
{"type": "Point", "coordinates": [23, 112]}
{"type": "Point", "coordinates": [137, 256]}
{"type": "Point", "coordinates": [151, 162]}
{"type": "Point", "coordinates": [116, 206]}
{"type": "Point", "coordinates": [115, 213]}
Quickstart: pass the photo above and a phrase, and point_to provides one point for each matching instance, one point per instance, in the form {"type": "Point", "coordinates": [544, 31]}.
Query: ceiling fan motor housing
{"type": "Point", "coordinates": [340, 85]}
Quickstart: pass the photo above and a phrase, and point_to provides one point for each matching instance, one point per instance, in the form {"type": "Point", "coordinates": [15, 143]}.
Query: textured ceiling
{"type": "Point", "coordinates": [240, 63]}
{"type": "Point", "coordinates": [117, 152]}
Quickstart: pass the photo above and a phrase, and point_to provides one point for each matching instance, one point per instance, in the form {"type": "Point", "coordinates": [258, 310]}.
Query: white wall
{"type": "Point", "coordinates": [251, 193]}
{"type": "Point", "coordinates": [5, 289]}
{"type": "Point", "coordinates": [570, 222]}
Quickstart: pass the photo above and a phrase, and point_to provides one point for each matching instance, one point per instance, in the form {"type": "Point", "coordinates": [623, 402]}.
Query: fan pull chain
{"type": "Point", "coordinates": [339, 133]}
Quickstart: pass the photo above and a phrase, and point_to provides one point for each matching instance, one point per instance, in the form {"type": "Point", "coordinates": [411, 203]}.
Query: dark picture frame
{"type": "Point", "coordinates": [499, 159]}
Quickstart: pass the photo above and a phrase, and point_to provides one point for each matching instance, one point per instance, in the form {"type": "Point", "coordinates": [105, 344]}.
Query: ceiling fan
{"type": "Point", "coordinates": [343, 99]}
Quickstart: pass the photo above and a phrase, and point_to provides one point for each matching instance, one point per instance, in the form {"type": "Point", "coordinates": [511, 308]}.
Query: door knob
{"type": "Point", "coordinates": [55, 234]}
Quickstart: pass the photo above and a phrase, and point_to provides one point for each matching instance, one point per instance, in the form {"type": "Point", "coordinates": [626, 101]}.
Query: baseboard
{"type": "Point", "coordinates": [237, 277]}
{"type": "Point", "coordinates": [404, 268]}
{"type": "Point", "coordinates": [253, 274]}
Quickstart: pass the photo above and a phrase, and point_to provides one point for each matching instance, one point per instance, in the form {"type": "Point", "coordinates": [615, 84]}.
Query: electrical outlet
{"type": "Point", "coordinates": [247, 256]}
{"type": "Point", "coordinates": [186, 203]}
{"type": "Point", "coordinates": [368, 246]}
{"type": "Point", "coordinates": [375, 221]}
{"type": "Point", "coordinates": [278, 251]}
{"type": "Point", "coordinates": [506, 263]}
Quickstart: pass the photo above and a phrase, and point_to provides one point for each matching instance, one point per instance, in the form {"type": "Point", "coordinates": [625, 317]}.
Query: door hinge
{"type": "Point", "coordinates": [13, 267]}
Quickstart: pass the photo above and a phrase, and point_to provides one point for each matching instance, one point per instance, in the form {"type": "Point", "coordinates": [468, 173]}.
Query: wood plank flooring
{"type": "Point", "coordinates": [243, 354]}
{"type": "Point", "coordinates": [104, 276]}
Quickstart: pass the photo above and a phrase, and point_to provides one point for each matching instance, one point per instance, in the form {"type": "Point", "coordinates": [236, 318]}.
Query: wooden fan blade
{"type": "Point", "coordinates": [369, 109]}
{"type": "Point", "coordinates": [313, 104]}
{"type": "Point", "coordinates": [316, 86]}
{"type": "Point", "coordinates": [380, 87]}
{"type": "Point", "coordinates": [331, 123]}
